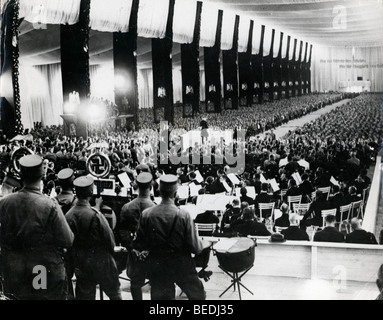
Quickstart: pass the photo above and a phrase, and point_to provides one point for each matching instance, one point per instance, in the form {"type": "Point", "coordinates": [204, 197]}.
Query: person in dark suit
{"type": "Point", "coordinates": [248, 226]}
{"type": "Point", "coordinates": [336, 201]}
{"type": "Point", "coordinates": [351, 196]}
{"type": "Point", "coordinates": [306, 188]}
{"type": "Point", "coordinates": [264, 197]}
{"type": "Point", "coordinates": [283, 221]}
{"type": "Point", "coordinates": [232, 211]}
{"type": "Point", "coordinates": [245, 198]}
{"type": "Point", "coordinates": [294, 233]}
{"type": "Point", "coordinates": [330, 233]}
{"type": "Point", "coordinates": [207, 217]}
{"type": "Point", "coordinates": [313, 216]}
{"type": "Point", "coordinates": [293, 190]}
{"type": "Point", "coordinates": [360, 236]}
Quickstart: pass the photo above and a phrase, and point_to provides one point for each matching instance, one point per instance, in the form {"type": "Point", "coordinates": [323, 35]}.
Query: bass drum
{"type": "Point", "coordinates": [238, 256]}
{"type": "Point", "coordinates": [99, 165]}
{"type": "Point", "coordinates": [17, 155]}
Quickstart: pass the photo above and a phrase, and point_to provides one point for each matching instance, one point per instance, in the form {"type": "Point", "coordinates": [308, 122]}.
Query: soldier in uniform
{"type": "Point", "coordinates": [34, 234]}
{"type": "Point", "coordinates": [130, 216]}
{"type": "Point", "coordinates": [66, 198]}
{"type": "Point", "coordinates": [167, 235]}
{"type": "Point", "coordinates": [93, 246]}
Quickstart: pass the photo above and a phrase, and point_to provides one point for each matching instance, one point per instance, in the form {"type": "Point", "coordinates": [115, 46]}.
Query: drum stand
{"type": "Point", "coordinates": [236, 281]}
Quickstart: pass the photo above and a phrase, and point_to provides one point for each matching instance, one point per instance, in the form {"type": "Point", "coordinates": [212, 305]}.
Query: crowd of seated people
{"type": "Point", "coordinates": [340, 145]}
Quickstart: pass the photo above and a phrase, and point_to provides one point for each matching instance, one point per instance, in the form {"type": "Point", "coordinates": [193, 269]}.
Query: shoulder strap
{"type": "Point", "coordinates": [173, 226]}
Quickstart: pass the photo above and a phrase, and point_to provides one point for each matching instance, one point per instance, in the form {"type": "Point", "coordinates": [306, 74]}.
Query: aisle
{"type": "Point", "coordinates": [298, 123]}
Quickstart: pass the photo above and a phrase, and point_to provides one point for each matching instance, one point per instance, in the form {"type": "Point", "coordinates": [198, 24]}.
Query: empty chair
{"type": "Point", "coordinates": [205, 229]}
{"type": "Point", "coordinates": [325, 190]}
{"type": "Point", "coordinates": [326, 213]}
{"type": "Point", "coordinates": [294, 199]}
{"type": "Point", "coordinates": [266, 207]}
{"type": "Point", "coordinates": [301, 209]}
{"type": "Point", "coordinates": [356, 210]}
{"type": "Point", "coordinates": [344, 213]}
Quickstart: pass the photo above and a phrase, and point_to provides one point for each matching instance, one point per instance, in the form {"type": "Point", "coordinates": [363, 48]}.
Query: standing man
{"type": "Point", "coordinates": [66, 198]}
{"type": "Point", "coordinates": [93, 246]}
{"type": "Point", "coordinates": [130, 217]}
{"type": "Point", "coordinates": [167, 235]}
{"type": "Point", "coordinates": [34, 234]}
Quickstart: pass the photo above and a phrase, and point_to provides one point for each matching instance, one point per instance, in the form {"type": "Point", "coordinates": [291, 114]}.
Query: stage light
{"type": "Point", "coordinates": [96, 112]}
{"type": "Point", "coordinates": [120, 81]}
{"type": "Point", "coordinates": [69, 108]}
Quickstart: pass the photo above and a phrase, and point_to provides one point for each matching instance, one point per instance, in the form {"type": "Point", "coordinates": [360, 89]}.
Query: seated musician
{"type": "Point", "coordinates": [283, 221]}
{"type": "Point", "coordinates": [294, 233]}
{"type": "Point", "coordinates": [208, 217]}
{"type": "Point", "coordinates": [232, 211]}
{"type": "Point", "coordinates": [247, 225]}
{"type": "Point", "coordinates": [360, 236]}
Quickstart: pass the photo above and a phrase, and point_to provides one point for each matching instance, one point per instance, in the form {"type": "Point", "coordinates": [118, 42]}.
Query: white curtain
{"type": "Point", "coordinates": [102, 81]}
{"type": "Point", "coordinates": [177, 85]}
{"type": "Point", "coordinates": [267, 41]}
{"type": "Point", "coordinates": [41, 95]}
{"type": "Point", "coordinates": [185, 12]}
{"type": "Point", "coordinates": [284, 45]}
{"type": "Point", "coordinates": [209, 21]}
{"type": "Point", "coordinates": [228, 24]}
{"type": "Point", "coordinates": [333, 65]}
{"type": "Point", "coordinates": [303, 51]}
{"type": "Point", "coordinates": [145, 88]}
{"type": "Point", "coordinates": [243, 36]}
{"type": "Point", "coordinates": [202, 90]}
{"type": "Point", "coordinates": [292, 43]}
{"type": "Point", "coordinates": [111, 17]}
{"type": "Point", "coordinates": [153, 18]}
{"type": "Point", "coordinates": [50, 11]}
{"type": "Point", "coordinates": [277, 42]}
{"type": "Point", "coordinates": [257, 34]}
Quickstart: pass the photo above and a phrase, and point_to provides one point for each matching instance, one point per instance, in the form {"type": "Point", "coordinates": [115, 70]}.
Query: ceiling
{"type": "Point", "coordinates": [324, 22]}
{"type": "Point", "coordinates": [344, 23]}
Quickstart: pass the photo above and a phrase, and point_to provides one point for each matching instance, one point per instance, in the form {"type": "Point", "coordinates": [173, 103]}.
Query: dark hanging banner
{"type": "Point", "coordinates": [277, 71]}
{"type": "Point", "coordinates": [309, 70]}
{"type": "Point", "coordinates": [305, 71]}
{"type": "Point", "coordinates": [257, 69]}
{"type": "Point", "coordinates": [299, 76]}
{"type": "Point", "coordinates": [293, 71]}
{"type": "Point", "coordinates": [190, 70]}
{"type": "Point", "coordinates": [268, 64]}
{"type": "Point", "coordinates": [286, 71]}
{"type": "Point", "coordinates": [75, 64]}
{"type": "Point", "coordinates": [246, 81]}
{"type": "Point", "coordinates": [10, 94]}
{"type": "Point", "coordinates": [230, 71]}
{"type": "Point", "coordinates": [163, 72]}
{"type": "Point", "coordinates": [213, 71]}
{"type": "Point", "coordinates": [125, 67]}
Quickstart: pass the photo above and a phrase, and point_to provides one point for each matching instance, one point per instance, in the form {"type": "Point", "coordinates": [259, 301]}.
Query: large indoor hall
{"type": "Point", "coordinates": [191, 150]}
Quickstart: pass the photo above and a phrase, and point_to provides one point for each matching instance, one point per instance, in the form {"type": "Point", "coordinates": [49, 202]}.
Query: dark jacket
{"type": "Point", "coordinates": [361, 237]}
{"type": "Point", "coordinates": [250, 228]}
{"type": "Point", "coordinates": [329, 234]}
{"type": "Point", "coordinates": [295, 234]}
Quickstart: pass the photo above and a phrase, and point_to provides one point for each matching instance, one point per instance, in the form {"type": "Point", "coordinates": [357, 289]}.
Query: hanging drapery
{"type": "Point", "coordinates": [299, 71]}
{"type": "Point", "coordinates": [292, 49]}
{"type": "Point", "coordinates": [111, 17]}
{"type": "Point", "coordinates": [102, 82]}
{"type": "Point", "coordinates": [145, 88]}
{"type": "Point", "coordinates": [125, 66]}
{"type": "Point", "coordinates": [153, 18]}
{"type": "Point", "coordinates": [286, 67]}
{"type": "Point", "coordinates": [246, 82]}
{"type": "Point", "coordinates": [268, 63]}
{"type": "Point", "coordinates": [50, 11]}
{"type": "Point", "coordinates": [184, 21]}
{"type": "Point", "coordinates": [10, 113]}
{"type": "Point", "coordinates": [75, 64]}
{"type": "Point", "coordinates": [209, 21]}
{"type": "Point", "coordinates": [230, 71]}
{"type": "Point", "coordinates": [163, 71]}
{"type": "Point", "coordinates": [243, 35]}
{"type": "Point", "coordinates": [213, 71]}
{"type": "Point", "coordinates": [228, 29]}
{"type": "Point", "coordinates": [41, 95]}
{"type": "Point", "coordinates": [257, 64]}
{"type": "Point", "coordinates": [267, 41]}
{"type": "Point", "coordinates": [191, 69]}
{"type": "Point", "coordinates": [284, 46]}
{"type": "Point", "coordinates": [277, 43]}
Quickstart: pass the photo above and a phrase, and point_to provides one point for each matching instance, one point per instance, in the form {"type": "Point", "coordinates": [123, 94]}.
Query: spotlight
{"type": "Point", "coordinates": [96, 112]}
{"type": "Point", "coordinates": [69, 108]}
{"type": "Point", "coordinates": [120, 81]}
